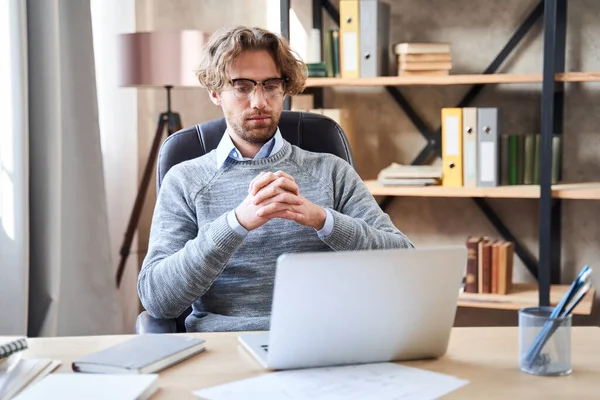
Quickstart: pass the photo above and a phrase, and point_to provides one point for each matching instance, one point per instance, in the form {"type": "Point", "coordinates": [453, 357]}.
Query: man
{"type": "Point", "coordinates": [222, 220]}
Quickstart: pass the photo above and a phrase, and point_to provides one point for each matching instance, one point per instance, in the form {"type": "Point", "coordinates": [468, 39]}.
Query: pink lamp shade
{"type": "Point", "coordinates": [160, 58]}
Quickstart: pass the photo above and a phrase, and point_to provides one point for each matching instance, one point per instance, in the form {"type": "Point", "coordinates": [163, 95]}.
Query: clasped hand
{"type": "Point", "coordinates": [276, 195]}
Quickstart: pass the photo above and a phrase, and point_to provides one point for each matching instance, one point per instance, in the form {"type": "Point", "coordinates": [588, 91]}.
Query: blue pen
{"type": "Point", "coordinates": [582, 294]}
{"type": "Point", "coordinates": [551, 326]}
{"type": "Point", "coordinates": [585, 272]}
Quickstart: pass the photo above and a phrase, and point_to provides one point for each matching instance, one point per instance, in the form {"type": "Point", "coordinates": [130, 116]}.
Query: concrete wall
{"type": "Point", "coordinates": [477, 31]}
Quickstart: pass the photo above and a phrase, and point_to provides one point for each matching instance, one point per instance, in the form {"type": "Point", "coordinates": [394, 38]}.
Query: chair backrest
{"type": "Point", "coordinates": [312, 132]}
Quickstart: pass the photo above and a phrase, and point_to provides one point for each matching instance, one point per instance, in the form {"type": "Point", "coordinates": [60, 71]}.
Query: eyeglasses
{"type": "Point", "coordinates": [243, 88]}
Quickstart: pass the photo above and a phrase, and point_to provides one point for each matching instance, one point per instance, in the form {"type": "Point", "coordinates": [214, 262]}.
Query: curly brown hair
{"type": "Point", "coordinates": [227, 43]}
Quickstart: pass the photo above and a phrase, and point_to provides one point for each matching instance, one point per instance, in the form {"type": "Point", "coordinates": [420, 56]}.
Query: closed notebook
{"type": "Point", "coordinates": [92, 387]}
{"type": "Point", "coordinates": [143, 354]}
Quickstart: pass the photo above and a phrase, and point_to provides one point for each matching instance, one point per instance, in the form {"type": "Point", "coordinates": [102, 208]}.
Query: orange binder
{"type": "Point", "coordinates": [452, 149]}
{"type": "Point", "coordinates": [349, 39]}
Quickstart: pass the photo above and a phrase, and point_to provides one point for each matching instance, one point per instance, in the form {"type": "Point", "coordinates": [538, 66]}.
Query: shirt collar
{"type": "Point", "coordinates": [226, 149]}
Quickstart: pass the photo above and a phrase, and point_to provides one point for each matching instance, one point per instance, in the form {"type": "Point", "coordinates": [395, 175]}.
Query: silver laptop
{"type": "Point", "coordinates": [360, 306]}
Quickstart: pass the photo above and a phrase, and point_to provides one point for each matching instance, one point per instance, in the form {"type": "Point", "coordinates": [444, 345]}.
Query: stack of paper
{"type": "Point", "coordinates": [25, 372]}
{"type": "Point", "coordinates": [380, 381]}
{"type": "Point", "coordinates": [410, 175]}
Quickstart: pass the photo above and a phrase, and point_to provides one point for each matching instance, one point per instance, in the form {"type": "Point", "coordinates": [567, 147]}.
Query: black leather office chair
{"type": "Point", "coordinates": [312, 132]}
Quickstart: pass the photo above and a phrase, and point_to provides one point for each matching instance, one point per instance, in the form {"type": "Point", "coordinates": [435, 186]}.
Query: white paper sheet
{"type": "Point", "coordinates": [381, 381]}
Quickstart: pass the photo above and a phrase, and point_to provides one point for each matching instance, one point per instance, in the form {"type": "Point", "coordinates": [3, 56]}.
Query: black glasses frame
{"type": "Point", "coordinates": [283, 80]}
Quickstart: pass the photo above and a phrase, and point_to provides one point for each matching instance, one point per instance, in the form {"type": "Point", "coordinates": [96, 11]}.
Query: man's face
{"type": "Point", "coordinates": [252, 118]}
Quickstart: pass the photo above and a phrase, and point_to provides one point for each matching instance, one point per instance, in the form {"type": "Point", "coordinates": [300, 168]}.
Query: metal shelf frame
{"type": "Point", "coordinates": [553, 15]}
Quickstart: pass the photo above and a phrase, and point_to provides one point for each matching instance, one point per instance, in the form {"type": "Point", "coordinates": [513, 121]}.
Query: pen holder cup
{"type": "Point", "coordinates": [544, 342]}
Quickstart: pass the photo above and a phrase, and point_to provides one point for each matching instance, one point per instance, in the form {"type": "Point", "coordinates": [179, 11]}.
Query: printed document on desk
{"type": "Point", "coordinates": [380, 381]}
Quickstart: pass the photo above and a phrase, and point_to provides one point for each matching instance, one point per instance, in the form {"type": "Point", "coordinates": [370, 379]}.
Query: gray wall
{"type": "Point", "coordinates": [477, 31]}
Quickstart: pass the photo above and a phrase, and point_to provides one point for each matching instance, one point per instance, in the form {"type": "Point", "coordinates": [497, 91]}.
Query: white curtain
{"type": "Point", "coordinates": [14, 197]}
{"type": "Point", "coordinates": [118, 134]}
{"type": "Point", "coordinates": [70, 288]}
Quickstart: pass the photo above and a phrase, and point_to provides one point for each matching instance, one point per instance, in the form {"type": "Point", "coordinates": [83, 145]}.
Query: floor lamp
{"type": "Point", "coordinates": [156, 59]}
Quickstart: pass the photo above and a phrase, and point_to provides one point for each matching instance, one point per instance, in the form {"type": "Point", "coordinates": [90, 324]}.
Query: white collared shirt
{"type": "Point", "coordinates": [226, 149]}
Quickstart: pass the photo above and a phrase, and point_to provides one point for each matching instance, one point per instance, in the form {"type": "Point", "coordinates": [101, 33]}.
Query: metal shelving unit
{"type": "Point", "coordinates": [553, 15]}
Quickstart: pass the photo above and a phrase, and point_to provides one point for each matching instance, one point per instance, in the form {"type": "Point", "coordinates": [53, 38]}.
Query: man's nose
{"type": "Point", "coordinates": [259, 99]}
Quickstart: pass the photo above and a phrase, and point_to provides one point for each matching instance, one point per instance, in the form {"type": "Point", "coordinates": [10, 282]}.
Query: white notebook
{"type": "Point", "coordinates": [69, 386]}
{"type": "Point", "coordinates": [142, 354]}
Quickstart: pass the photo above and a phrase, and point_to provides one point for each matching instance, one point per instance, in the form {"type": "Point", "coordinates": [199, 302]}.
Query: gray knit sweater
{"type": "Point", "coordinates": [194, 256]}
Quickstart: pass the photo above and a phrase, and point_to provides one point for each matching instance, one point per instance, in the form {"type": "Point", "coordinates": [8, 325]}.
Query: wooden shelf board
{"type": "Point", "coordinates": [451, 79]}
{"type": "Point", "coordinates": [522, 296]}
{"type": "Point", "coordinates": [582, 191]}
{"type": "Point", "coordinates": [578, 77]}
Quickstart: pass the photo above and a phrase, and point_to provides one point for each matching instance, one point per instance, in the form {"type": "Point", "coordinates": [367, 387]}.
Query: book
{"type": "Point", "coordinates": [408, 182]}
{"type": "Point", "coordinates": [143, 354]}
{"type": "Point", "coordinates": [505, 267]}
{"type": "Point", "coordinates": [425, 57]}
{"type": "Point", "coordinates": [421, 48]}
{"type": "Point", "coordinates": [472, 273]}
{"type": "Point", "coordinates": [424, 66]}
{"type": "Point", "coordinates": [11, 346]}
{"type": "Point", "coordinates": [399, 171]}
{"type": "Point", "coordinates": [485, 268]}
{"type": "Point", "coordinates": [328, 53]}
{"type": "Point", "coordinates": [335, 50]}
{"type": "Point", "coordinates": [495, 266]}
{"type": "Point", "coordinates": [556, 158]}
{"type": "Point", "coordinates": [92, 387]}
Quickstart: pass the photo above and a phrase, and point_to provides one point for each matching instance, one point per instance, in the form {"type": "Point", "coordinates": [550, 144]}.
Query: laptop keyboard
{"type": "Point", "coordinates": [265, 347]}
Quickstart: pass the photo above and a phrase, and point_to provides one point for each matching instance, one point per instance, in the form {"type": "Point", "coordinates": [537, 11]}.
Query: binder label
{"type": "Point", "coordinates": [470, 163]}
{"type": "Point", "coordinates": [452, 136]}
{"type": "Point", "coordinates": [350, 51]}
{"type": "Point", "coordinates": [488, 161]}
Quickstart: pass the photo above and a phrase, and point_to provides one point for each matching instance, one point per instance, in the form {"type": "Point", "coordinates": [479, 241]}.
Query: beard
{"type": "Point", "coordinates": [255, 132]}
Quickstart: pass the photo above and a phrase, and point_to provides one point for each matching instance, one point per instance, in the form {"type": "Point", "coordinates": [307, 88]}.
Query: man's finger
{"type": "Point", "coordinates": [266, 193]}
{"type": "Point", "coordinates": [254, 180]}
{"type": "Point", "coordinates": [282, 197]}
{"type": "Point", "coordinates": [262, 181]}
{"type": "Point", "coordinates": [274, 207]}
{"type": "Point", "coordinates": [281, 173]}
{"type": "Point", "coordinates": [286, 184]}
{"type": "Point", "coordinates": [277, 186]}
{"type": "Point", "coordinates": [286, 214]}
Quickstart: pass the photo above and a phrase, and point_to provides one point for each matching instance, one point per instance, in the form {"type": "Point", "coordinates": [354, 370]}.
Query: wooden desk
{"type": "Point", "coordinates": [486, 357]}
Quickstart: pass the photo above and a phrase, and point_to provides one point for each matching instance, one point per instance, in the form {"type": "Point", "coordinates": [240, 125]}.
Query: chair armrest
{"type": "Point", "coordinates": [146, 323]}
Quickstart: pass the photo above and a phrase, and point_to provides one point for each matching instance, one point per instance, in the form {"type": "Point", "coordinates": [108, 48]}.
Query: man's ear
{"type": "Point", "coordinates": [214, 97]}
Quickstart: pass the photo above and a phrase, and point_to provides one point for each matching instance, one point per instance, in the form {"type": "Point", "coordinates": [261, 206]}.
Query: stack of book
{"type": "Point", "coordinates": [489, 265]}
{"type": "Point", "coordinates": [520, 158]}
{"type": "Point", "coordinates": [317, 70]}
{"type": "Point", "coordinates": [410, 175]}
{"type": "Point", "coordinates": [423, 58]}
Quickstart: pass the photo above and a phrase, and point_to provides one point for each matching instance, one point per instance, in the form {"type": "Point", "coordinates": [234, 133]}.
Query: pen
{"type": "Point", "coordinates": [559, 311]}
{"type": "Point", "coordinates": [584, 291]}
